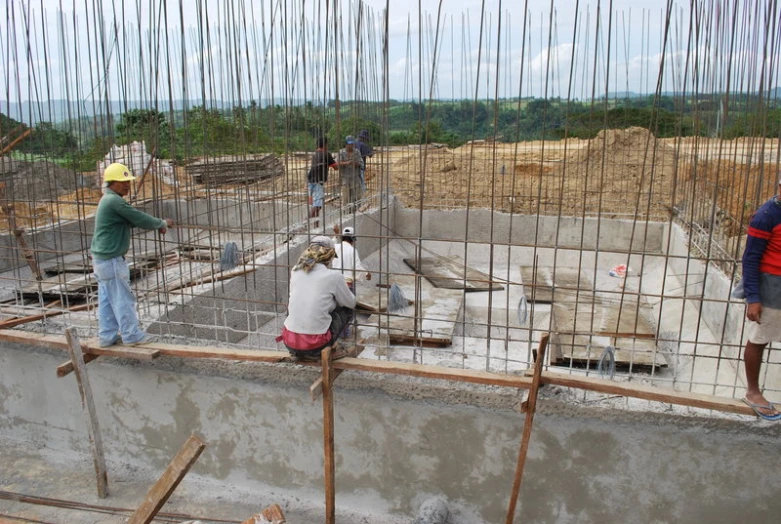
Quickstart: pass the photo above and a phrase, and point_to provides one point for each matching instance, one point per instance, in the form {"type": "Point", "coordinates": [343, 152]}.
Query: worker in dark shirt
{"type": "Point", "coordinates": [363, 146]}
{"type": "Point", "coordinates": [762, 287]}
{"type": "Point", "coordinates": [322, 160]}
{"type": "Point", "coordinates": [110, 242]}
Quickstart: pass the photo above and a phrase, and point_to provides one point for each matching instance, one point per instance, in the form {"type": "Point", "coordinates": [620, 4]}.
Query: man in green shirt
{"type": "Point", "coordinates": [110, 242]}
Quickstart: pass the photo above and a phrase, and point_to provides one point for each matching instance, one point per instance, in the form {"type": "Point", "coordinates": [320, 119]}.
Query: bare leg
{"type": "Point", "coordinates": [753, 361]}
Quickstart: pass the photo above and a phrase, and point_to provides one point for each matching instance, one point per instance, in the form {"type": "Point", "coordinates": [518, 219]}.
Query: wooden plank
{"type": "Point", "coordinates": [427, 342]}
{"type": "Point", "coordinates": [272, 514]}
{"type": "Point", "coordinates": [18, 139]}
{"type": "Point", "coordinates": [657, 394]}
{"type": "Point", "coordinates": [539, 283]}
{"type": "Point", "coordinates": [435, 372]}
{"type": "Point", "coordinates": [245, 355]}
{"type": "Point", "coordinates": [88, 404]}
{"type": "Point", "coordinates": [451, 273]}
{"type": "Point", "coordinates": [316, 389]}
{"type": "Point", "coordinates": [58, 342]}
{"type": "Point", "coordinates": [168, 481]}
{"type": "Point", "coordinates": [67, 367]}
{"type": "Point", "coordinates": [584, 328]}
{"type": "Point", "coordinates": [433, 317]}
{"type": "Point", "coordinates": [328, 437]}
{"type": "Point", "coordinates": [531, 406]}
{"type": "Point", "coordinates": [13, 322]}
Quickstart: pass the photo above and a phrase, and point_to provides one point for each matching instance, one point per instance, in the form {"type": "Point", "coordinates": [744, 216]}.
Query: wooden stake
{"type": "Point", "coordinates": [328, 437]}
{"type": "Point", "coordinates": [168, 481]}
{"type": "Point", "coordinates": [527, 428]}
{"type": "Point", "coordinates": [88, 404]}
{"type": "Point", "coordinates": [316, 389]}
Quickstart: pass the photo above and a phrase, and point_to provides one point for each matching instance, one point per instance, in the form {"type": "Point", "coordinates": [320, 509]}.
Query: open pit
{"type": "Point", "coordinates": [559, 213]}
{"type": "Point", "coordinates": [490, 284]}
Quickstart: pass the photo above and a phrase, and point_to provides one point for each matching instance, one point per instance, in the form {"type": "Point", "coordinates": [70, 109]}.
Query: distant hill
{"type": "Point", "coordinates": [60, 110]}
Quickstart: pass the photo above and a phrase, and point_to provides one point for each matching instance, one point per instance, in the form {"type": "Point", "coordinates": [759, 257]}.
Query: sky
{"type": "Point", "coordinates": [240, 50]}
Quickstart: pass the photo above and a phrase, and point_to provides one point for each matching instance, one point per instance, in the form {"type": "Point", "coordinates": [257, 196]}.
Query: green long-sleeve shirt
{"type": "Point", "coordinates": [113, 221]}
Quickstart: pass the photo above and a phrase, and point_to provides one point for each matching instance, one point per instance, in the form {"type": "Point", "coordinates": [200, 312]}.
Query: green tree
{"type": "Point", "coordinates": [48, 140]}
{"type": "Point", "coordinates": [147, 125]}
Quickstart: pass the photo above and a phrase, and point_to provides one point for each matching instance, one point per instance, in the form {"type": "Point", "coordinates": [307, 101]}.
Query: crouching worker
{"type": "Point", "coordinates": [320, 304]}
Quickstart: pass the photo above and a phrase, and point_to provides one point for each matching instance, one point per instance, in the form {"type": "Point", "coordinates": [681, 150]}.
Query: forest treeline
{"type": "Point", "coordinates": [200, 130]}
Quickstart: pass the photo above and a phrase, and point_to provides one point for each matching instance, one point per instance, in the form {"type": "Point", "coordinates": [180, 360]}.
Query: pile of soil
{"type": "Point", "coordinates": [620, 173]}
{"type": "Point", "coordinates": [36, 182]}
{"type": "Point", "coordinates": [736, 189]}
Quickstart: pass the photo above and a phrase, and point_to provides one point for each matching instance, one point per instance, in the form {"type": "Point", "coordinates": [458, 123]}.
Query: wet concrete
{"type": "Point", "coordinates": [264, 434]}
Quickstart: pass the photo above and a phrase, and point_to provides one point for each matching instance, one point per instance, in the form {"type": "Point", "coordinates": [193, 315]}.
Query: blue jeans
{"type": "Point", "coordinates": [116, 303]}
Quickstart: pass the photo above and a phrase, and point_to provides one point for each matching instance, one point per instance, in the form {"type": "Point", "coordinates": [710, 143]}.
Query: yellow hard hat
{"type": "Point", "coordinates": [118, 173]}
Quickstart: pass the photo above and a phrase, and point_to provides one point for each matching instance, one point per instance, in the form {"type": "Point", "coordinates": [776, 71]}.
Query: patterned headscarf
{"type": "Point", "coordinates": [320, 251]}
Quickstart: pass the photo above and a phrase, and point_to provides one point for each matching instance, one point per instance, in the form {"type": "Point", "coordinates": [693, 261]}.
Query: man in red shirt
{"type": "Point", "coordinates": [762, 286]}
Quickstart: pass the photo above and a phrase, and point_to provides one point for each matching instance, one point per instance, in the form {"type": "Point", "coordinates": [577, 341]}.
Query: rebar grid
{"type": "Point", "coordinates": [681, 203]}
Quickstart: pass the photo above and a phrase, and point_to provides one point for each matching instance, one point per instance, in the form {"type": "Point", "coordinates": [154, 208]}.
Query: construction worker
{"type": "Point", "coordinates": [320, 303]}
{"type": "Point", "coordinates": [366, 150]}
{"type": "Point", "coordinates": [762, 290]}
{"type": "Point", "coordinates": [110, 242]}
{"type": "Point", "coordinates": [348, 262]}
{"type": "Point", "coordinates": [350, 166]}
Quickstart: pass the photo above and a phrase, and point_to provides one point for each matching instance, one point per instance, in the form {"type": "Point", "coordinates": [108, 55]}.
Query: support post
{"type": "Point", "coordinates": [166, 484]}
{"type": "Point", "coordinates": [328, 437]}
{"type": "Point", "coordinates": [316, 389]}
{"type": "Point", "coordinates": [88, 404]}
{"type": "Point", "coordinates": [527, 428]}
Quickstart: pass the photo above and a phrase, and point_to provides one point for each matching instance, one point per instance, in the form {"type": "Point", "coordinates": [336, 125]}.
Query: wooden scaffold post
{"type": "Point", "coordinates": [88, 404]}
{"type": "Point", "coordinates": [328, 437]}
{"type": "Point", "coordinates": [531, 405]}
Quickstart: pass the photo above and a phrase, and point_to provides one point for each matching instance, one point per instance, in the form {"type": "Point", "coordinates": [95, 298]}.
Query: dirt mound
{"type": "Point", "coordinates": [620, 173]}
{"type": "Point", "coordinates": [36, 182]}
{"type": "Point", "coordinates": [736, 189]}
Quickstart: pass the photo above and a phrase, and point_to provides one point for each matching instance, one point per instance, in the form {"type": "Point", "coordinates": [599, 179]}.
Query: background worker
{"type": "Point", "coordinates": [348, 262]}
{"type": "Point", "coordinates": [363, 146]}
{"type": "Point", "coordinates": [762, 286]}
{"type": "Point", "coordinates": [317, 176]}
{"type": "Point", "coordinates": [350, 166]}
{"type": "Point", "coordinates": [320, 304]}
{"type": "Point", "coordinates": [110, 242]}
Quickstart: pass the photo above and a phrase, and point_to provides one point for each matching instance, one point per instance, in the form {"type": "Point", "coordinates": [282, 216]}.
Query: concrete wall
{"type": "Point", "coordinates": [272, 215]}
{"type": "Point", "coordinates": [544, 231]}
{"type": "Point", "coordinates": [399, 442]}
{"type": "Point", "coordinates": [47, 243]}
{"type": "Point", "coordinates": [706, 282]}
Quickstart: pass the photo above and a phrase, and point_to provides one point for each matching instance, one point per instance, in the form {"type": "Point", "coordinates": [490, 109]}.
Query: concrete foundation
{"type": "Point", "coordinates": [396, 450]}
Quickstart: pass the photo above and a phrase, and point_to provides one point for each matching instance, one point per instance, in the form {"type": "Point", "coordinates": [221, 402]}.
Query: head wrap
{"type": "Point", "coordinates": [320, 251]}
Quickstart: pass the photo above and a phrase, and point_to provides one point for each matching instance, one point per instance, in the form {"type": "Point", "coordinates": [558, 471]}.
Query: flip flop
{"type": "Point", "coordinates": [757, 407]}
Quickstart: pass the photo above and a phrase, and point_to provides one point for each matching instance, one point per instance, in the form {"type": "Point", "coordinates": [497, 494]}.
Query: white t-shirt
{"type": "Point", "coordinates": [348, 262]}
{"type": "Point", "coordinates": [313, 296]}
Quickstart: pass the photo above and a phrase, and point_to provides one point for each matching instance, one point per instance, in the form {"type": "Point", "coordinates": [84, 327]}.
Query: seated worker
{"type": "Point", "coordinates": [320, 304]}
{"type": "Point", "coordinates": [348, 262]}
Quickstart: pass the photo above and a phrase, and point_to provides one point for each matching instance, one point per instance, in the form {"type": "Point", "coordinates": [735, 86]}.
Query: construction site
{"type": "Point", "coordinates": [568, 348]}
